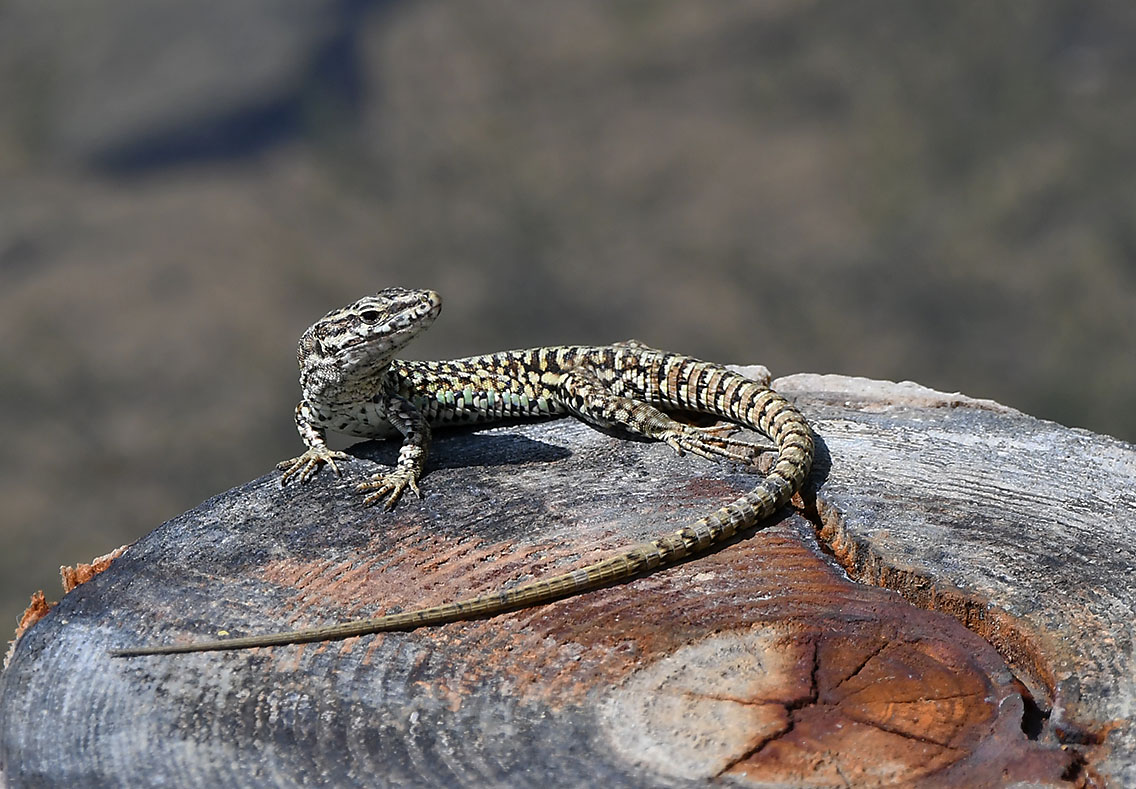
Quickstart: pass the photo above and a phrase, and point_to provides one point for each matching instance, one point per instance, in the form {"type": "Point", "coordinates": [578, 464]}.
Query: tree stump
{"type": "Point", "coordinates": [951, 602]}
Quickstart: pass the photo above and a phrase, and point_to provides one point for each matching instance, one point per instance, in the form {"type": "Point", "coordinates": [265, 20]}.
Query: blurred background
{"type": "Point", "coordinates": [936, 192]}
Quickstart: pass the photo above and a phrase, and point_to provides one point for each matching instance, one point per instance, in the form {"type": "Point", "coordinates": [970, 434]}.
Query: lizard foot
{"type": "Point", "coordinates": [307, 465]}
{"type": "Point", "coordinates": [721, 433]}
{"type": "Point", "coordinates": [704, 443]}
{"type": "Point", "coordinates": [390, 486]}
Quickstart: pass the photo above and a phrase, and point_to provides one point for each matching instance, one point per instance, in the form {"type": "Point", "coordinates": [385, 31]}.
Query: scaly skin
{"type": "Point", "coordinates": [352, 383]}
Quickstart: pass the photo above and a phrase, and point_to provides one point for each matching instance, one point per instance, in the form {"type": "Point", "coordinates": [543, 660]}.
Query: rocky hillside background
{"type": "Point", "coordinates": [941, 193]}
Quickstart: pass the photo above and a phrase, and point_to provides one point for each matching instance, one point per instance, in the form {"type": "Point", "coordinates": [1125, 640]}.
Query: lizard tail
{"type": "Point", "coordinates": [752, 405]}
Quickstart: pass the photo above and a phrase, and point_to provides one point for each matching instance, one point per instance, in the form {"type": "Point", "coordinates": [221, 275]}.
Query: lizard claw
{"type": "Point", "coordinates": [308, 464]}
{"type": "Point", "coordinates": [389, 486]}
{"type": "Point", "coordinates": [674, 441]}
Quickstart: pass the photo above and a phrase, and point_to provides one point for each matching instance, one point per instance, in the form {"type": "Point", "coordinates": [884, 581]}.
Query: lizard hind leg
{"type": "Point", "coordinates": [586, 395]}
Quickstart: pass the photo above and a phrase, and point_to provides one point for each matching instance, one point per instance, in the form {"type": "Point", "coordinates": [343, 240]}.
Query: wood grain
{"type": "Point", "coordinates": [761, 662]}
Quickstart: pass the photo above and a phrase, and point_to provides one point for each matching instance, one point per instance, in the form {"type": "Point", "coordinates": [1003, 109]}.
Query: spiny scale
{"type": "Point", "coordinates": [351, 383]}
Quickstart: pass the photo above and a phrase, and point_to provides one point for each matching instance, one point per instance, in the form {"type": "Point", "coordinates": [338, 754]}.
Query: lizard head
{"type": "Point", "coordinates": [360, 340]}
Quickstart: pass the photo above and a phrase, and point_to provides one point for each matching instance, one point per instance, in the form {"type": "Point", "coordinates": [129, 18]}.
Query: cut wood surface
{"type": "Point", "coordinates": [827, 648]}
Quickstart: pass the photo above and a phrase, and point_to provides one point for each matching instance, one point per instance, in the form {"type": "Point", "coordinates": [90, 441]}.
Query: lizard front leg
{"type": "Point", "coordinates": [409, 421]}
{"type": "Point", "coordinates": [305, 466]}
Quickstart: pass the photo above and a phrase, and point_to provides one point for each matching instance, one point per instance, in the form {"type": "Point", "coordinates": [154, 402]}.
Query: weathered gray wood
{"type": "Point", "coordinates": [758, 662]}
{"type": "Point", "coordinates": [1022, 528]}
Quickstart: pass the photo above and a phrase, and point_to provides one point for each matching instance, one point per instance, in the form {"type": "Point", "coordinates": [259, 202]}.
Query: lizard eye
{"type": "Point", "coordinates": [370, 316]}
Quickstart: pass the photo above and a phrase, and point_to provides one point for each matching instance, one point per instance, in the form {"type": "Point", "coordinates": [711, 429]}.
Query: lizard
{"type": "Point", "coordinates": [352, 383]}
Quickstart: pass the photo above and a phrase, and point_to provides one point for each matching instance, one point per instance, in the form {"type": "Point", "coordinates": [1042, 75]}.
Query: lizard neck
{"type": "Point", "coordinates": [336, 385]}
